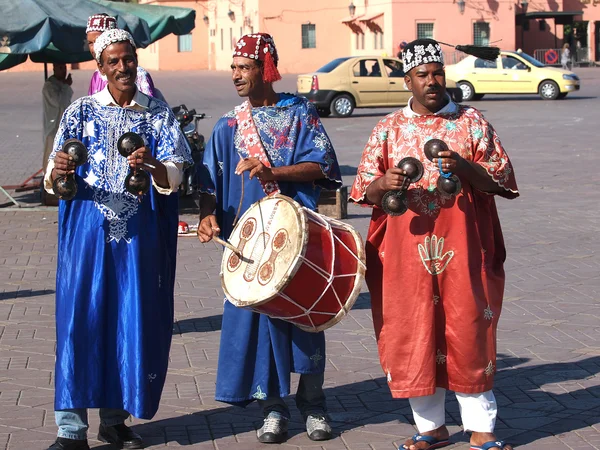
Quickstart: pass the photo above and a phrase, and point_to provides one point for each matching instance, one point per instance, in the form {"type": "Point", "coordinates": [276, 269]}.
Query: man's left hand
{"type": "Point", "coordinates": [143, 157]}
{"type": "Point", "coordinates": [256, 168]}
{"type": "Point", "coordinates": [451, 161]}
{"type": "Point", "coordinates": [69, 80]}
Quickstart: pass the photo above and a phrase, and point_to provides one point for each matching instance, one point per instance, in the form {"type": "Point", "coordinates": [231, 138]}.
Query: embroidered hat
{"type": "Point", "coordinates": [110, 37]}
{"type": "Point", "coordinates": [260, 47]}
{"type": "Point", "coordinates": [101, 23]}
{"type": "Point", "coordinates": [421, 51]}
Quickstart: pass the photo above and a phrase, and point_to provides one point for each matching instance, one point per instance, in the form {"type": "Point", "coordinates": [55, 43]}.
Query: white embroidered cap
{"type": "Point", "coordinates": [421, 51]}
{"type": "Point", "coordinates": [110, 37]}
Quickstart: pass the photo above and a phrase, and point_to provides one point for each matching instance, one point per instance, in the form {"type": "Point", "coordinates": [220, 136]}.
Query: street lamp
{"type": "Point", "coordinates": [205, 18]}
{"type": "Point", "coordinates": [231, 14]}
{"type": "Point", "coordinates": [461, 6]}
{"type": "Point", "coordinates": [524, 5]}
{"type": "Point", "coordinates": [351, 9]}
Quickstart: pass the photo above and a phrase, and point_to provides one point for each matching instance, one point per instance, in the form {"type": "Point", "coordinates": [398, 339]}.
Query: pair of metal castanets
{"type": "Point", "coordinates": [137, 182]}
{"type": "Point", "coordinates": [395, 203]}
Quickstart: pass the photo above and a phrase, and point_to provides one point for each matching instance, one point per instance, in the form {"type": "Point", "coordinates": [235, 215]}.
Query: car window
{"type": "Point", "coordinates": [393, 68]}
{"type": "Point", "coordinates": [485, 64]}
{"type": "Point", "coordinates": [367, 68]}
{"type": "Point", "coordinates": [509, 62]}
{"type": "Point", "coordinates": [332, 65]}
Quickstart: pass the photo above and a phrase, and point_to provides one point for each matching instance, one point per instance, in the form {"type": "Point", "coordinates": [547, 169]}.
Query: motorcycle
{"type": "Point", "coordinates": [188, 121]}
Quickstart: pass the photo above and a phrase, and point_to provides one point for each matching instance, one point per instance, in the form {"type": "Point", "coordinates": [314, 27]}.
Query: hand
{"type": "Point", "coordinates": [63, 165]}
{"type": "Point", "coordinates": [143, 156]}
{"type": "Point", "coordinates": [393, 180]}
{"type": "Point", "coordinates": [207, 228]}
{"type": "Point", "coordinates": [451, 161]}
{"type": "Point", "coordinates": [69, 80]}
{"type": "Point", "coordinates": [256, 168]}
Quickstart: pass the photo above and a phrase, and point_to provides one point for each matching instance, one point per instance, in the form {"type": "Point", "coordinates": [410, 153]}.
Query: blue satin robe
{"type": "Point", "coordinates": [116, 265]}
{"type": "Point", "coordinates": [257, 353]}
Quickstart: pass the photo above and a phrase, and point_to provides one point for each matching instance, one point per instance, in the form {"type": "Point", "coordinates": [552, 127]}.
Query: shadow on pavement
{"type": "Point", "coordinates": [526, 412]}
{"type": "Point", "coordinates": [25, 293]}
{"type": "Point", "coordinates": [198, 324]}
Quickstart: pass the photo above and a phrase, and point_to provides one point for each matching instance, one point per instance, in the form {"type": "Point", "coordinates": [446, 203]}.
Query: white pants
{"type": "Point", "coordinates": [478, 411]}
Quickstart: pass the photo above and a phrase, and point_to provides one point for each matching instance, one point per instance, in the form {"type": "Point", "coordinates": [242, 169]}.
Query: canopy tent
{"type": "Point", "coordinates": [54, 30]}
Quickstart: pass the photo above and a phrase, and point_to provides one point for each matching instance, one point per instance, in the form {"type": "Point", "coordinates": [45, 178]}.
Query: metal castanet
{"type": "Point", "coordinates": [447, 182]}
{"type": "Point", "coordinates": [65, 187]}
{"type": "Point", "coordinates": [138, 181]}
{"type": "Point", "coordinates": [394, 203]}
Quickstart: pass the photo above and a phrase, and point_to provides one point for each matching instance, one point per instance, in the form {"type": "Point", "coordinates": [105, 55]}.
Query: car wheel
{"type": "Point", "coordinates": [468, 91]}
{"type": "Point", "coordinates": [323, 112]}
{"type": "Point", "coordinates": [478, 96]}
{"type": "Point", "coordinates": [342, 105]}
{"type": "Point", "coordinates": [562, 95]}
{"type": "Point", "coordinates": [549, 90]}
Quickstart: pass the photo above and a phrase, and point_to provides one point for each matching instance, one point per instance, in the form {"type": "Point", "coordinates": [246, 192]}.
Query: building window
{"type": "Point", "coordinates": [424, 31]}
{"type": "Point", "coordinates": [481, 33]}
{"type": "Point", "coordinates": [184, 43]}
{"type": "Point", "coordinates": [222, 39]}
{"type": "Point", "coordinates": [377, 40]}
{"type": "Point", "coordinates": [309, 35]}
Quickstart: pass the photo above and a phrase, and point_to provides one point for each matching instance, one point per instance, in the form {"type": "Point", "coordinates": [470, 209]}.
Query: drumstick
{"type": "Point", "coordinates": [233, 248]}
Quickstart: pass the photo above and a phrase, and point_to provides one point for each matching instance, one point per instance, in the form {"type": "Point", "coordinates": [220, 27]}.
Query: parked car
{"type": "Point", "coordinates": [511, 73]}
{"type": "Point", "coordinates": [359, 82]}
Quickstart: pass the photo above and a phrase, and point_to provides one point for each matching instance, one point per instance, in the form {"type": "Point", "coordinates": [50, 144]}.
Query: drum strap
{"type": "Point", "coordinates": [254, 145]}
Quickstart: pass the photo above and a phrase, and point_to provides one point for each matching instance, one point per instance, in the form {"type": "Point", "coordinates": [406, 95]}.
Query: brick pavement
{"type": "Point", "coordinates": [547, 387]}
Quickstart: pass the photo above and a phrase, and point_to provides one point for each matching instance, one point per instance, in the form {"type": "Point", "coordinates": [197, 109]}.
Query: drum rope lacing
{"type": "Point", "coordinates": [321, 272]}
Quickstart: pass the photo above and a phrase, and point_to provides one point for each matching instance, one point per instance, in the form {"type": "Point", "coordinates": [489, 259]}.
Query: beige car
{"type": "Point", "coordinates": [359, 82]}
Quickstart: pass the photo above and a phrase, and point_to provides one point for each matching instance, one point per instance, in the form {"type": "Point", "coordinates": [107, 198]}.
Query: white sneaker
{"type": "Point", "coordinates": [274, 429]}
{"type": "Point", "coordinates": [317, 428]}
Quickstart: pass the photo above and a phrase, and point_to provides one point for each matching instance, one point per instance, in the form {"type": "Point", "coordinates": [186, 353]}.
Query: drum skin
{"type": "Point", "coordinates": [297, 265]}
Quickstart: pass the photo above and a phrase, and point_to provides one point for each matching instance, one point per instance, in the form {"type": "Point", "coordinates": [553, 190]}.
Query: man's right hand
{"type": "Point", "coordinates": [63, 165]}
{"type": "Point", "coordinates": [207, 228]}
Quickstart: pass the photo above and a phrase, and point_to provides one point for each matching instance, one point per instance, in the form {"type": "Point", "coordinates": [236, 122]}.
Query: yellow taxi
{"type": "Point", "coordinates": [347, 83]}
{"type": "Point", "coordinates": [511, 73]}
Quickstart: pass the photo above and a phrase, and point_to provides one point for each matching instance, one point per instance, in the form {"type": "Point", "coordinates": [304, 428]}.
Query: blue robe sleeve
{"type": "Point", "coordinates": [210, 172]}
{"type": "Point", "coordinates": [313, 145]}
{"type": "Point", "coordinates": [172, 144]}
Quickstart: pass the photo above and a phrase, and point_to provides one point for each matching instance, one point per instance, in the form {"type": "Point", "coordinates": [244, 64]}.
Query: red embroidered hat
{"type": "Point", "coordinates": [101, 23]}
{"type": "Point", "coordinates": [261, 47]}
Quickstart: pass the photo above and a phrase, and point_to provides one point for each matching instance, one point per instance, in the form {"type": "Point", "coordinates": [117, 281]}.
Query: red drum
{"type": "Point", "coordinates": [296, 265]}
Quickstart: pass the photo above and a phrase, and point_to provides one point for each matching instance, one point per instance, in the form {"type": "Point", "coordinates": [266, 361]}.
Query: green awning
{"type": "Point", "coordinates": [162, 20]}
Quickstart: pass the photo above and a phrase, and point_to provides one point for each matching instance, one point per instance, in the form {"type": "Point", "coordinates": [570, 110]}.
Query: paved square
{"type": "Point", "coordinates": [548, 384]}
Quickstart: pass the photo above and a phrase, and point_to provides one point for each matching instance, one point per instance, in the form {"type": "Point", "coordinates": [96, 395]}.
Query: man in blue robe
{"type": "Point", "coordinates": [116, 255]}
{"type": "Point", "coordinates": [290, 153]}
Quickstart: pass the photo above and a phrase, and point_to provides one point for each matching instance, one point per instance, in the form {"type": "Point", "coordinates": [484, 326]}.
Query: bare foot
{"type": "Point", "coordinates": [478, 439]}
{"type": "Point", "coordinates": [439, 434]}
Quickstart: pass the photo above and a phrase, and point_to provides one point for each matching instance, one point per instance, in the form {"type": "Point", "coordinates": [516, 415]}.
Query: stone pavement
{"type": "Point", "coordinates": [548, 384]}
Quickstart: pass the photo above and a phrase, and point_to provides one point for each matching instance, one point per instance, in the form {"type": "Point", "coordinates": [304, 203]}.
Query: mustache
{"type": "Point", "coordinates": [433, 90]}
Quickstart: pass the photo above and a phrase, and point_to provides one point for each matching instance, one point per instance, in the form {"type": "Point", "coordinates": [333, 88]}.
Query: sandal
{"type": "Point", "coordinates": [433, 442]}
{"type": "Point", "coordinates": [489, 445]}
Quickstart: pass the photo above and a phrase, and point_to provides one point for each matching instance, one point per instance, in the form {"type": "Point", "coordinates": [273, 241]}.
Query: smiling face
{"type": "Point", "coordinates": [427, 82]}
{"type": "Point", "coordinates": [118, 63]}
{"type": "Point", "coordinates": [247, 77]}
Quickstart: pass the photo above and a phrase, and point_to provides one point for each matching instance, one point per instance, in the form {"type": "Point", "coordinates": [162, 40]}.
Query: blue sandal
{"type": "Point", "coordinates": [489, 445]}
{"type": "Point", "coordinates": [433, 442]}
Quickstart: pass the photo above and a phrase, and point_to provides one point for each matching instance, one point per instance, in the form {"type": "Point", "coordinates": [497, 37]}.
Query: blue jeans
{"type": "Point", "coordinates": [73, 423]}
{"type": "Point", "coordinates": [310, 398]}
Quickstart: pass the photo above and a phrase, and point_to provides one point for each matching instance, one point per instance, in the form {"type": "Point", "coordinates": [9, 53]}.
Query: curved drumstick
{"type": "Point", "coordinates": [233, 248]}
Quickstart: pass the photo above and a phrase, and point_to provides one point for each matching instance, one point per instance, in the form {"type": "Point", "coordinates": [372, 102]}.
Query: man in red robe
{"type": "Point", "coordinates": [436, 273]}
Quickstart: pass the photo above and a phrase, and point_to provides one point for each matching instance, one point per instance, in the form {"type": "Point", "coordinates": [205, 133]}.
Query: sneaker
{"type": "Point", "coordinates": [317, 428]}
{"type": "Point", "coordinates": [274, 429]}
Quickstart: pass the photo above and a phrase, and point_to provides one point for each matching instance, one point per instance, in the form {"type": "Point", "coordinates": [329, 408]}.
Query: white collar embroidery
{"type": "Point", "coordinates": [450, 108]}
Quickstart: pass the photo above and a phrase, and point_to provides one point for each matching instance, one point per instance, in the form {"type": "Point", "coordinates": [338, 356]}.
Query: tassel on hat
{"type": "Point", "coordinates": [487, 53]}
{"type": "Point", "coordinates": [270, 72]}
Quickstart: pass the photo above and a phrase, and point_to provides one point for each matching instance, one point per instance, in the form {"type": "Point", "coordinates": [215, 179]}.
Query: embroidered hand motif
{"type": "Point", "coordinates": [432, 256]}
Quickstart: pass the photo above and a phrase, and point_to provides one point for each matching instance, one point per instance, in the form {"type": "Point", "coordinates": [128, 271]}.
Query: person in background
{"type": "Point", "coordinates": [565, 57]}
{"type": "Point", "coordinates": [56, 94]}
{"type": "Point", "coordinates": [97, 24]}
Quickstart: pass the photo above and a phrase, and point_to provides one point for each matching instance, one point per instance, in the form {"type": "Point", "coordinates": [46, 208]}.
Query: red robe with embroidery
{"type": "Point", "coordinates": [436, 273]}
